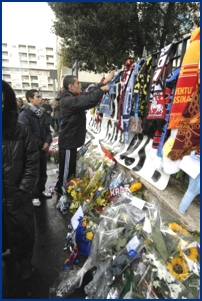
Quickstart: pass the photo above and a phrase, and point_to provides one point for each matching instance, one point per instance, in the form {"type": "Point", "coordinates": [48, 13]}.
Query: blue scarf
{"type": "Point", "coordinates": [36, 110]}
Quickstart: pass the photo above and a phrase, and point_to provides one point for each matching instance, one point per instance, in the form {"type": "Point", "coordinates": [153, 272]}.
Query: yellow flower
{"type": "Point", "coordinates": [73, 193]}
{"type": "Point", "coordinates": [135, 186]}
{"type": "Point", "coordinates": [186, 251]}
{"type": "Point", "coordinates": [89, 235]}
{"type": "Point", "coordinates": [69, 189]}
{"type": "Point", "coordinates": [178, 229]}
{"type": "Point", "coordinates": [74, 182]}
{"type": "Point", "coordinates": [178, 268]}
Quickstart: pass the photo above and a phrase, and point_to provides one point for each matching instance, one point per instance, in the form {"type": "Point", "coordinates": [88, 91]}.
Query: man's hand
{"type": "Point", "coordinates": [109, 77]}
{"type": "Point", "coordinates": [105, 88]}
{"type": "Point", "coordinates": [45, 147]}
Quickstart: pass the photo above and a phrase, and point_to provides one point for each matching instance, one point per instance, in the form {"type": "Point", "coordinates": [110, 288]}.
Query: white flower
{"type": "Point", "coordinates": [175, 287]}
{"type": "Point", "coordinates": [151, 257]}
{"type": "Point", "coordinates": [161, 274]}
{"type": "Point", "coordinates": [168, 277]}
{"type": "Point", "coordinates": [156, 283]}
{"type": "Point", "coordinates": [174, 295]}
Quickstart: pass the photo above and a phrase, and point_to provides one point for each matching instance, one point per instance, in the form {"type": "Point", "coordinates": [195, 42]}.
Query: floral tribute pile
{"type": "Point", "coordinates": [134, 249]}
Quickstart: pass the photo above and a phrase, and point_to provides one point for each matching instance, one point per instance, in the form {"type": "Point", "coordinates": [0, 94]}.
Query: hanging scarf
{"type": "Point", "coordinates": [157, 101]}
{"type": "Point", "coordinates": [127, 105]}
{"type": "Point", "coordinates": [128, 66]}
{"type": "Point", "coordinates": [188, 134]}
{"type": "Point", "coordinates": [187, 81]}
{"type": "Point", "coordinates": [141, 87]}
{"type": "Point", "coordinates": [136, 122]}
{"type": "Point", "coordinates": [106, 104]}
{"type": "Point", "coordinates": [168, 94]}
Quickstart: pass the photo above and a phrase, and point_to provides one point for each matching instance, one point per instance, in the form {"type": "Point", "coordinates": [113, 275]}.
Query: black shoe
{"type": "Point", "coordinates": [58, 190]}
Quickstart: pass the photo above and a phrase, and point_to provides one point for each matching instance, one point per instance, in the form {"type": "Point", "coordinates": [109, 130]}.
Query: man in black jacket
{"type": "Point", "coordinates": [73, 105]}
{"type": "Point", "coordinates": [48, 110]}
{"type": "Point", "coordinates": [34, 118]}
{"type": "Point", "coordinates": [20, 168]}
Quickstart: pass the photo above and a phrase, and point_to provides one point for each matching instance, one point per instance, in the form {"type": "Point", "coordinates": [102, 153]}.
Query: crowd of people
{"type": "Point", "coordinates": [26, 138]}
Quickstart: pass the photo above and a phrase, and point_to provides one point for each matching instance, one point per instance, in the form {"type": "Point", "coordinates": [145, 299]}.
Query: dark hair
{"type": "Point", "coordinates": [30, 94]}
{"type": "Point", "coordinates": [10, 103]}
{"type": "Point", "coordinates": [9, 111]}
{"type": "Point", "coordinates": [69, 79]}
{"type": "Point", "coordinates": [19, 98]}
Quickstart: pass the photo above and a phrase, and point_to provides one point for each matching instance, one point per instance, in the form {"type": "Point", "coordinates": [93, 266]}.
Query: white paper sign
{"type": "Point", "coordinates": [190, 165]}
{"type": "Point", "coordinates": [74, 220]}
{"type": "Point", "coordinates": [138, 203]}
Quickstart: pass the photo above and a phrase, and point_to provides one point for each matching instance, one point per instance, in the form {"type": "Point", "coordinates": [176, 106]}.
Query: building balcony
{"type": "Point", "coordinates": [26, 87]}
{"type": "Point", "coordinates": [35, 87]}
{"type": "Point", "coordinates": [7, 78]}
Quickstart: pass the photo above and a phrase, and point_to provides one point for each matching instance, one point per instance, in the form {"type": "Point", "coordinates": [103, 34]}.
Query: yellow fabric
{"type": "Point", "coordinates": [188, 79]}
{"type": "Point", "coordinates": [168, 146]}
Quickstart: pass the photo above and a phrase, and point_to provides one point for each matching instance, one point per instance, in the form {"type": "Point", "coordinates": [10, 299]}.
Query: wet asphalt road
{"type": "Point", "coordinates": [49, 256]}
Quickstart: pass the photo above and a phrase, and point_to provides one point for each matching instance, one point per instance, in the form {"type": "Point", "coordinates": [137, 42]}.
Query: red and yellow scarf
{"type": "Point", "coordinates": [187, 81]}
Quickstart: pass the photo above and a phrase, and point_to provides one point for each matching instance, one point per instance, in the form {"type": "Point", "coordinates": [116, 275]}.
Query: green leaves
{"type": "Point", "coordinates": [101, 34]}
{"type": "Point", "coordinates": [158, 239]}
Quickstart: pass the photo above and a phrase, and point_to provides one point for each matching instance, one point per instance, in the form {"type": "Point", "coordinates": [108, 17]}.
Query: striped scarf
{"type": "Point", "coordinates": [36, 110]}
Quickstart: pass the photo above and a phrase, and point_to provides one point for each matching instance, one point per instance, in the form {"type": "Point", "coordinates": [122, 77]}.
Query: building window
{"type": "Point", "coordinates": [34, 78]}
{"type": "Point", "coordinates": [34, 86]}
{"type": "Point", "coordinates": [25, 78]}
{"type": "Point", "coordinates": [6, 77]}
{"type": "Point", "coordinates": [22, 55]}
{"type": "Point", "coordinates": [5, 62]}
{"type": "Point", "coordinates": [33, 65]}
{"type": "Point", "coordinates": [32, 47]}
{"type": "Point", "coordinates": [23, 64]}
{"type": "Point", "coordinates": [4, 53]}
{"type": "Point", "coordinates": [22, 47]}
{"type": "Point", "coordinates": [5, 70]}
{"type": "Point", "coordinates": [32, 56]}
{"type": "Point", "coordinates": [50, 66]}
{"type": "Point", "coordinates": [4, 46]}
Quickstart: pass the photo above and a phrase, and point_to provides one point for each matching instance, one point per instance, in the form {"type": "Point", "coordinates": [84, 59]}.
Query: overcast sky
{"type": "Point", "coordinates": [27, 22]}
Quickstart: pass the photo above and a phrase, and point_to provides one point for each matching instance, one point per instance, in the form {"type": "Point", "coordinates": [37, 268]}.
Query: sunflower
{"type": "Point", "coordinates": [186, 251]}
{"type": "Point", "coordinates": [178, 268]}
{"type": "Point", "coordinates": [178, 229]}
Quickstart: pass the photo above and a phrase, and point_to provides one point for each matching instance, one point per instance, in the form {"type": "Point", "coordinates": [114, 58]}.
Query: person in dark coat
{"type": "Point", "coordinates": [47, 111]}
{"type": "Point", "coordinates": [35, 120]}
{"type": "Point", "coordinates": [19, 105]}
{"type": "Point", "coordinates": [20, 168]}
{"type": "Point", "coordinates": [73, 105]}
{"type": "Point", "coordinates": [56, 114]}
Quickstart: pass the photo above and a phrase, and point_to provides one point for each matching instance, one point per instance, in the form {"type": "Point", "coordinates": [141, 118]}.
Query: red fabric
{"type": "Point", "coordinates": [188, 135]}
{"type": "Point", "coordinates": [128, 66]}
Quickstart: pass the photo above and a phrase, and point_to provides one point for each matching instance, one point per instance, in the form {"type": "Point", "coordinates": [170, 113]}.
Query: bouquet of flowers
{"type": "Point", "coordinates": [169, 267]}
{"type": "Point", "coordinates": [118, 224]}
{"type": "Point", "coordinates": [92, 173]}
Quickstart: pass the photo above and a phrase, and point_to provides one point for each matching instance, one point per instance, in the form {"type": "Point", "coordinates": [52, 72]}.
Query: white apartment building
{"type": "Point", "coordinates": [27, 67]}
